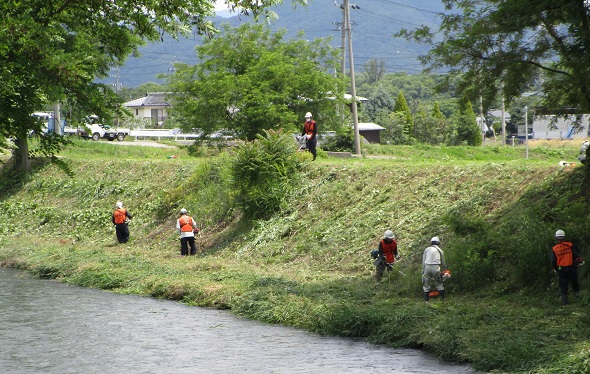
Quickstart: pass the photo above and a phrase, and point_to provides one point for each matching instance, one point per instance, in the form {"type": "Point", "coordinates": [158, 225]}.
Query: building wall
{"type": "Point", "coordinates": [372, 136]}
{"type": "Point", "coordinates": [561, 129]}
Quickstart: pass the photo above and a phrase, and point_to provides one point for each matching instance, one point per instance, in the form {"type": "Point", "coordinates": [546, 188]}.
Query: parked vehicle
{"type": "Point", "coordinates": [97, 131]}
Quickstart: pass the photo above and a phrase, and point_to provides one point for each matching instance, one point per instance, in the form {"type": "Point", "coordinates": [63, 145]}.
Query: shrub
{"type": "Point", "coordinates": [264, 172]}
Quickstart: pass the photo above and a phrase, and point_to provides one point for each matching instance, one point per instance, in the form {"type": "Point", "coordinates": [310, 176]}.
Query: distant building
{"type": "Point", "coordinates": [152, 108]}
{"type": "Point", "coordinates": [371, 132]}
{"type": "Point", "coordinates": [558, 127]}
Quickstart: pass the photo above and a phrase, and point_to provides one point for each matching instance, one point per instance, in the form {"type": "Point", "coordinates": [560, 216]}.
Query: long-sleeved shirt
{"type": "Point", "coordinates": [433, 255]}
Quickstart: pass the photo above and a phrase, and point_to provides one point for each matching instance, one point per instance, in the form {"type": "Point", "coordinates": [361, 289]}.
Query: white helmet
{"type": "Point", "coordinates": [119, 205]}
{"type": "Point", "coordinates": [308, 115]}
{"type": "Point", "coordinates": [182, 211]}
{"type": "Point", "coordinates": [389, 234]}
{"type": "Point", "coordinates": [435, 240]}
{"type": "Point", "coordinates": [559, 234]}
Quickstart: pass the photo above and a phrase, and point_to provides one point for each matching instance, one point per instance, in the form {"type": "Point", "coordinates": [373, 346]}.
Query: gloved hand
{"type": "Point", "coordinates": [307, 137]}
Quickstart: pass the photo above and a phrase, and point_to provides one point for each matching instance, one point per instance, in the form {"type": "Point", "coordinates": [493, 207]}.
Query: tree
{"type": "Point", "coordinates": [467, 128]}
{"type": "Point", "coordinates": [401, 106]}
{"type": "Point", "coordinates": [486, 42]}
{"type": "Point", "coordinates": [251, 80]}
{"type": "Point", "coordinates": [373, 71]}
{"type": "Point", "coordinates": [380, 100]}
{"type": "Point", "coordinates": [54, 50]}
{"type": "Point", "coordinates": [394, 123]}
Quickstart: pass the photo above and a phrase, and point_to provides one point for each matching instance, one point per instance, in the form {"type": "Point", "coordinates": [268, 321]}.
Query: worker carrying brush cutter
{"type": "Point", "coordinates": [565, 260]}
{"type": "Point", "coordinates": [433, 260]}
{"type": "Point", "coordinates": [386, 255]}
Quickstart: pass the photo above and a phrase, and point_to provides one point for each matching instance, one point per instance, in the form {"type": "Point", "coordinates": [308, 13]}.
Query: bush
{"type": "Point", "coordinates": [264, 172]}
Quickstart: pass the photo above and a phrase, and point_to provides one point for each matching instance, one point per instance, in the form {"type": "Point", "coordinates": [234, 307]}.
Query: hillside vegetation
{"type": "Point", "coordinates": [308, 265]}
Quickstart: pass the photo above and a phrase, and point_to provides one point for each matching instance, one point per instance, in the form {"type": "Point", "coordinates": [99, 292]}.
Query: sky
{"type": "Point", "coordinates": [220, 5]}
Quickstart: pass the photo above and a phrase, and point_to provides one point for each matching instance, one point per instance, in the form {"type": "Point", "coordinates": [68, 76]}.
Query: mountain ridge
{"type": "Point", "coordinates": [373, 24]}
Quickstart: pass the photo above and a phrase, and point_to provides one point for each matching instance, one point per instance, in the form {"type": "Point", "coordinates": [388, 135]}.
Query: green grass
{"type": "Point", "coordinates": [309, 265]}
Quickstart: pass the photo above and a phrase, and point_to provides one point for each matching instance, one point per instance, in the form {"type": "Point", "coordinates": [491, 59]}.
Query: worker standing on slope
{"type": "Point", "coordinates": [310, 131]}
{"type": "Point", "coordinates": [433, 260]}
{"type": "Point", "coordinates": [386, 255]}
{"type": "Point", "coordinates": [187, 228]}
{"type": "Point", "coordinates": [120, 219]}
{"type": "Point", "coordinates": [565, 260]}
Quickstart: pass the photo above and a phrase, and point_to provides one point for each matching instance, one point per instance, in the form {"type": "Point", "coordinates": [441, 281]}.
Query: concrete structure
{"type": "Point", "coordinates": [151, 109]}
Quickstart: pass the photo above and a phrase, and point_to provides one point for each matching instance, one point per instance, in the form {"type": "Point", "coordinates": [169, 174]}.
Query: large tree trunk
{"type": "Point", "coordinates": [21, 154]}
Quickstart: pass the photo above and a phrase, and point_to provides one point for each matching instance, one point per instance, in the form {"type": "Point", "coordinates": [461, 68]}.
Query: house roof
{"type": "Point", "coordinates": [365, 126]}
{"type": "Point", "coordinates": [150, 99]}
{"type": "Point", "coordinates": [348, 97]}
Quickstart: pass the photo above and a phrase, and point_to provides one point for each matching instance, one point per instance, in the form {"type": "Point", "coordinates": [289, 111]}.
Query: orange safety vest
{"type": "Point", "coordinates": [389, 251]}
{"type": "Point", "coordinates": [120, 215]}
{"type": "Point", "coordinates": [186, 223]}
{"type": "Point", "coordinates": [564, 254]}
{"type": "Point", "coordinates": [309, 127]}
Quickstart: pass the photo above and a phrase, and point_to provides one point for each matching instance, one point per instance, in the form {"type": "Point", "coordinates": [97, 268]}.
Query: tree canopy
{"type": "Point", "coordinates": [54, 50]}
{"type": "Point", "coordinates": [509, 45]}
{"type": "Point", "coordinates": [250, 80]}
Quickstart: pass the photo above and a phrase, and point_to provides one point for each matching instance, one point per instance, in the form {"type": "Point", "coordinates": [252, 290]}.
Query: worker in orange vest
{"type": "Point", "coordinates": [565, 260]}
{"type": "Point", "coordinates": [310, 131]}
{"type": "Point", "coordinates": [187, 228]}
{"type": "Point", "coordinates": [120, 219]}
{"type": "Point", "coordinates": [386, 254]}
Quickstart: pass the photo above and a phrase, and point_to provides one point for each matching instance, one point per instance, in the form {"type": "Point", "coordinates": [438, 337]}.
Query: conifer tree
{"type": "Point", "coordinates": [401, 106]}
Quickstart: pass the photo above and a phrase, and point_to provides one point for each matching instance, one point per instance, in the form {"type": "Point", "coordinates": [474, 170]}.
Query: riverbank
{"type": "Point", "coordinates": [309, 265]}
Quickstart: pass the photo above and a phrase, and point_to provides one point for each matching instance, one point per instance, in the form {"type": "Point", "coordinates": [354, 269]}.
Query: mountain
{"type": "Point", "coordinates": [374, 23]}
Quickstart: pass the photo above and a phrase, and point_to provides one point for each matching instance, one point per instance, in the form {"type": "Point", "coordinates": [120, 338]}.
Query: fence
{"type": "Point", "coordinates": [173, 134]}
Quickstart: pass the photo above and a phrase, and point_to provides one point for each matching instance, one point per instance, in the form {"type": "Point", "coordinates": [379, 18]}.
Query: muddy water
{"type": "Point", "coordinates": [49, 327]}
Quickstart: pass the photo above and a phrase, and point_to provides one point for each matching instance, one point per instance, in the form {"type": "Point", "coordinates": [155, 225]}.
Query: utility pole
{"type": "Point", "coordinates": [357, 141]}
{"type": "Point", "coordinates": [503, 119]}
{"type": "Point", "coordinates": [482, 128]}
{"type": "Point", "coordinates": [526, 130]}
{"type": "Point", "coordinates": [57, 119]}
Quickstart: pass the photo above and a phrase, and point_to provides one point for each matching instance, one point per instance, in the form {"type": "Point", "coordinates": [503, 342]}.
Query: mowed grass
{"type": "Point", "coordinates": [309, 265]}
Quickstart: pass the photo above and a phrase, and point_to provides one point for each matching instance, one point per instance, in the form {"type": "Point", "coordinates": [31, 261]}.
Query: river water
{"type": "Point", "coordinates": [50, 327]}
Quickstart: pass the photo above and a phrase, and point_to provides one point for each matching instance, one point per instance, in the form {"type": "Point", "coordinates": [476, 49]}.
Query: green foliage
{"type": "Point", "coordinates": [490, 42]}
{"type": "Point", "coordinates": [251, 80]}
{"type": "Point", "coordinates": [342, 141]}
{"type": "Point", "coordinates": [467, 128]}
{"type": "Point", "coordinates": [264, 173]}
{"type": "Point", "coordinates": [395, 124]}
{"type": "Point", "coordinates": [51, 53]}
{"type": "Point", "coordinates": [401, 106]}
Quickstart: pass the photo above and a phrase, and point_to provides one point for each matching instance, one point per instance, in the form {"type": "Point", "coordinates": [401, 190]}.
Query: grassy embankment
{"type": "Point", "coordinates": [309, 266]}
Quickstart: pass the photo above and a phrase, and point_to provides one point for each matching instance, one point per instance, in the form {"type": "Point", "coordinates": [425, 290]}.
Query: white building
{"type": "Point", "coordinates": [152, 108]}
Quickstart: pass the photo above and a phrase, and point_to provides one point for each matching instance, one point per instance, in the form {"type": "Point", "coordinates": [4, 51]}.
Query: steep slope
{"type": "Point", "coordinates": [309, 265]}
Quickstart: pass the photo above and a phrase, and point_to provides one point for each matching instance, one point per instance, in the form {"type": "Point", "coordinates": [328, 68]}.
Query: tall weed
{"type": "Point", "coordinates": [264, 172]}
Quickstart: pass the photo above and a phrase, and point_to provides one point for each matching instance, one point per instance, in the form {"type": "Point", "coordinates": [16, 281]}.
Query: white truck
{"type": "Point", "coordinates": [99, 131]}
{"type": "Point", "coordinates": [96, 131]}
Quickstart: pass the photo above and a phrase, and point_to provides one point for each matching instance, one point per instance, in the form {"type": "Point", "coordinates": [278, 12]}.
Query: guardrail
{"type": "Point", "coordinates": [162, 133]}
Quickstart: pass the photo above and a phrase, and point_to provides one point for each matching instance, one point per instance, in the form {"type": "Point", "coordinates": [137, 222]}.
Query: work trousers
{"type": "Point", "coordinates": [431, 274]}
{"type": "Point", "coordinates": [380, 268]}
{"type": "Point", "coordinates": [122, 231]}
{"type": "Point", "coordinates": [187, 242]}
{"type": "Point", "coordinates": [311, 146]}
{"type": "Point", "coordinates": [567, 275]}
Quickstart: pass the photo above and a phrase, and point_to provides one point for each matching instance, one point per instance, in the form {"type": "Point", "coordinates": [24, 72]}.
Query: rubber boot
{"type": "Point", "coordinates": [564, 299]}
{"type": "Point", "coordinates": [426, 296]}
{"type": "Point", "coordinates": [441, 294]}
